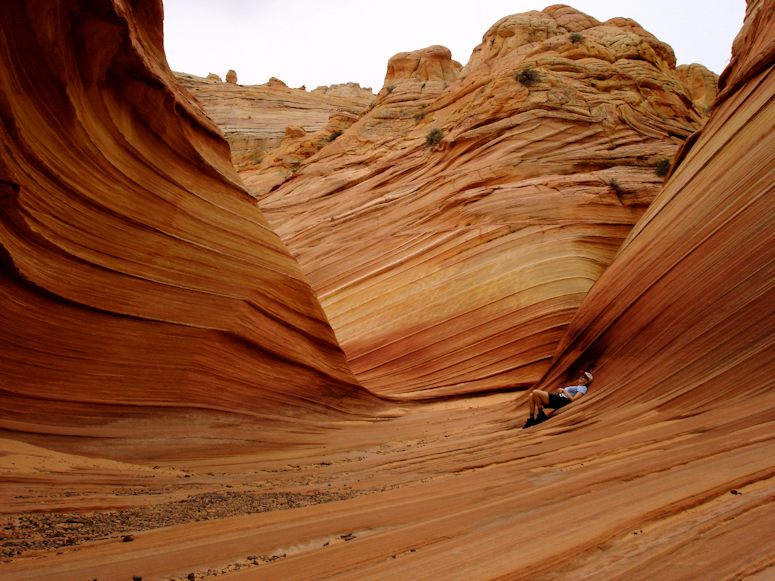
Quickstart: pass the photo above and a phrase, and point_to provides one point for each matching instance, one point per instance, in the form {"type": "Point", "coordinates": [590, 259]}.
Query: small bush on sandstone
{"type": "Point", "coordinates": [333, 135]}
{"type": "Point", "coordinates": [613, 183]}
{"type": "Point", "coordinates": [576, 38]}
{"type": "Point", "coordinates": [527, 76]}
{"type": "Point", "coordinates": [434, 136]}
{"type": "Point", "coordinates": [662, 167]}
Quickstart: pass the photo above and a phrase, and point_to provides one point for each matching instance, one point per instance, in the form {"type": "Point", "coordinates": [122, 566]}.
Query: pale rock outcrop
{"type": "Point", "coordinates": [254, 117]}
{"type": "Point", "coordinates": [231, 77]}
{"type": "Point", "coordinates": [214, 77]}
{"type": "Point", "coordinates": [431, 64]}
{"type": "Point", "coordinates": [344, 90]}
{"type": "Point", "coordinates": [483, 241]}
{"type": "Point", "coordinates": [296, 147]}
{"type": "Point", "coordinates": [275, 82]}
{"type": "Point", "coordinates": [702, 84]}
{"type": "Point", "coordinates": [294, 132]}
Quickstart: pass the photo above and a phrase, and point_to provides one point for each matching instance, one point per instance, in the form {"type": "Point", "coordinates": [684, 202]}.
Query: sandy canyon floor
{"type": "Point", "coordinates": [642, 484]}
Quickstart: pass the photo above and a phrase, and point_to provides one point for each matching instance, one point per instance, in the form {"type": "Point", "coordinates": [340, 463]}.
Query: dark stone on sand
{"type": "Point", "coordinates": [127, 538]}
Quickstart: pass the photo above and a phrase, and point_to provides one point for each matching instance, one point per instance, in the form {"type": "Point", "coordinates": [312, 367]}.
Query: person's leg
{"type": "Point", "coordinates": [537, 400]}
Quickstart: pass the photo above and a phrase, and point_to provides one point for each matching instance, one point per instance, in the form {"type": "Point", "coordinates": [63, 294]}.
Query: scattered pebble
{"type": "Point", "coordinates": [50, 531]}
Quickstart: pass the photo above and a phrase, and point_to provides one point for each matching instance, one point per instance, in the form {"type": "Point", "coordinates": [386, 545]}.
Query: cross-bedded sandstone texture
{"type": "Point", "coordinates": [137, 272]}
{"type": "Point", "coordinates": [453, 230]}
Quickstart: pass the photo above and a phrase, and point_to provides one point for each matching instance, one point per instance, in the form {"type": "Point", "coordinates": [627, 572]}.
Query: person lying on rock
{"type": "Point", "coordinates": [539, 400]}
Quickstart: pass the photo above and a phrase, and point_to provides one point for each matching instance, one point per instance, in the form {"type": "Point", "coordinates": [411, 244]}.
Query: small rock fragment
{"type": "Point", "coordinates": [127, 538]}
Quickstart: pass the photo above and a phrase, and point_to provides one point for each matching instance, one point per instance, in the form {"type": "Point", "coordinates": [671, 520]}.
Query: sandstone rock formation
{"type": "Point", "coordinates": [138, 276]}
{"type": "Point", "coordinates": [454, 264]}
{"type": "Point", "coordinates": [688, 296]}
{"type": "Point", "coordinates": [231, 77]}
{"type": "Point", "coordinates": [344, 90]}
{"type": "Point", "coordinates": [254, 118]}
{"type": "Point", "coordinates": [663, 471]}
{"type": "Point", "coordinates": [702, 84]}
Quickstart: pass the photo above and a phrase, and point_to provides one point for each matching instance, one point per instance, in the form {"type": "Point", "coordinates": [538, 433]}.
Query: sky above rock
{"type": "Point", "coordinates": [323, 42]}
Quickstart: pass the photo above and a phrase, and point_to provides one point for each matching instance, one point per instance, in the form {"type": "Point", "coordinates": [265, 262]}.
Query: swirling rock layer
{"type": "Point", "coordinates": [664, 470]}
{"type": "Point", "coordinates": [452, 232]}
{"type": "Point", "coordinates": [684, 312]}
{"type": "Point", "coordinates": [137, 273]}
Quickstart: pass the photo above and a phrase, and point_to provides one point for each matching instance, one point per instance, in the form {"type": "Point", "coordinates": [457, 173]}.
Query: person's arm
{"type": "Point", "coordinates": [571, 397]}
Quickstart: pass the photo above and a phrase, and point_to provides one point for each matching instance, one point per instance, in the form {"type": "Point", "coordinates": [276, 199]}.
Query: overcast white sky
{"type": "Point", "coordinates": [322, 42]}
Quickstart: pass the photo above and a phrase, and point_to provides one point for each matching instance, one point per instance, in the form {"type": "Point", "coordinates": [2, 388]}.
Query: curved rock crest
{"type": "Point", "coordinates": [137, 273]}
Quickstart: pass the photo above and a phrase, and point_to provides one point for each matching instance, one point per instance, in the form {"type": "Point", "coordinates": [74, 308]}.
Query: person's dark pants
{"type": "Point", "coordinates": [556, 401]}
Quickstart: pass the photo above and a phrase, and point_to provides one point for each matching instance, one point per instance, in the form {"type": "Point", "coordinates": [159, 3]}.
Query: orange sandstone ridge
{"type": "Point", "coordinates": [453, 230]}
{"type": "Point", "coordinates": [139, 280]}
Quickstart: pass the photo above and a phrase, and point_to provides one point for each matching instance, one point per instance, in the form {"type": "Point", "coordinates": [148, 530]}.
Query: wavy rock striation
{"type": "Point", "coordinates": [684, 311]}
{"type": "Point", "coordinates": [137, 273]}
{"type": "Point", "coordinates": [453, 230]}
{"type": "Point", "coordinates": [664, 470]}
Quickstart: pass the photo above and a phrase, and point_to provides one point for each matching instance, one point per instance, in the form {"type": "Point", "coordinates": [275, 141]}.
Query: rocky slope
{"type": "Point", "coordinates": [137, 274]}
{"type": "Point", "coordinates": [453, 230]}
{"type": "Point", "coordinates": [272, 128]}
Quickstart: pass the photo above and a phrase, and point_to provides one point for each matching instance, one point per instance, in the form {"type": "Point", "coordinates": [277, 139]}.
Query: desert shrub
{"type": "Point", "coordinates": [420, 116]}
{"type": "Point", "coordinates": [333, 135]}
{"type": "Point", "coordinates": [613, 183]}
{"type": "Point", "coordinates": [662, 167]}
{"type": "Point", "coordinates": [434, 136]}
{"type": "Point", "coordinates": [527, 76]}
{"type": "Point", "coordinates": [576, 38]}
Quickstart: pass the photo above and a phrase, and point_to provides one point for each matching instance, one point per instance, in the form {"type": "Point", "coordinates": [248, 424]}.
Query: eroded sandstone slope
{"type": "Point", "coordinates": [684, 313]}
{"type": "Point", "coordinates": [452, 232]}
{"type": "Point", "coordinates": [137, 273]}
{"type": "Point", "coordinates": [272, 128]}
